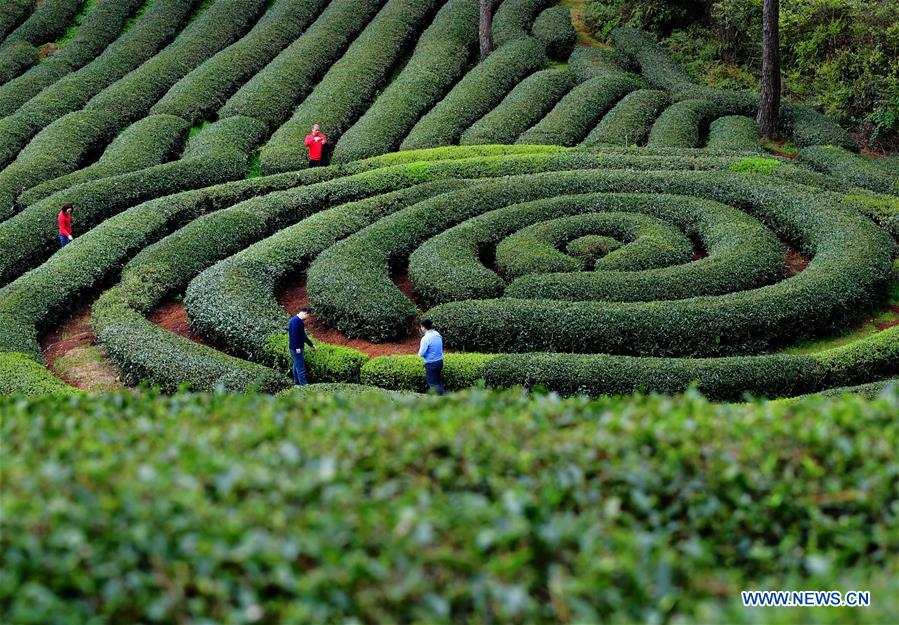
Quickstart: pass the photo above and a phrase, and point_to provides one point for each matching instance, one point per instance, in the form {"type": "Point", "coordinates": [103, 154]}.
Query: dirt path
{"type": "Point", "coordinates": [72, 354]}
{"type": "Point", "coordinates": [292, 296]}
{"type": "Point", "coordinates": [172, 316]}
{"type": "Point", "coordinates": [584, 37]}
{"type": "Point", "coordinates": [794, 261]}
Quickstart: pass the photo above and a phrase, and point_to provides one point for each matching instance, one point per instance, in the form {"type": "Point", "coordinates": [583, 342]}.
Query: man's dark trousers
{"type": "Point", "coordinates": [299, 368]}
{"type": "Point", "coordinates": [434, 376]}
{"type": "Point", "coordinates": [315, 163]}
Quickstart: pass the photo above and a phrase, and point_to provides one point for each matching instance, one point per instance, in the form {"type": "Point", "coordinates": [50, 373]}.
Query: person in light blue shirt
{"type": "Point", "coordinates": [431, 349]}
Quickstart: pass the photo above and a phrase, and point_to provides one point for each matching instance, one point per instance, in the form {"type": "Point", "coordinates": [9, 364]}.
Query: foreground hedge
{"type": "Point", "coordinates": [390, 509]}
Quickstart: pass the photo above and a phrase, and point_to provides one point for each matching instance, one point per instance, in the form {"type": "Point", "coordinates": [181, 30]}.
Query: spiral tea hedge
{"type": "Point", "coordinates": [585, 221]}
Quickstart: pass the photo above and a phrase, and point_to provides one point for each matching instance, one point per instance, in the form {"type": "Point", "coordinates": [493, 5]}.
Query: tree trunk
{"type": "Point", "coordinates": [485, 28]}
{"type": "Point", "coordinates": [769, 102]}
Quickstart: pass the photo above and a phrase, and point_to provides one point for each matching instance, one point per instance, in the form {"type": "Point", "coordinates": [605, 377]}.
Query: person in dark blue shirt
{"type": "Point", "coordinates": [298, 339]}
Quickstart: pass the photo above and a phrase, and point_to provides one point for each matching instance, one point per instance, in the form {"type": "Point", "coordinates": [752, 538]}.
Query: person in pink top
{"type": "Point", "coordinates": [65, 225]}
{"type": "Point", "coordinates": [315, 141]}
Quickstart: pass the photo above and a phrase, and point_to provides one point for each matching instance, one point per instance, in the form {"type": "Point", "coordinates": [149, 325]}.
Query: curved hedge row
{"type": "Point", "coordinates": [13, 13]}
{"type": "Point", "coordinates": [513, 18]}
{"type": "Point", "coordinates": [22, 375]}
{"type": "Point", "coordinates": [852, 264]}
{"type": "Point", "coordinates": [476, 94]}
{"type": "Point", "coordinates": [684, 124]}
{"type": "Point", "coordinates": [439, 59]}
{"type": "Point", "coordinates": [59, 149]}
{"type": "Point", "coordinates": [217, 27]}
{"type": "Point", "coordinates": [63, 145]}
{"type": "Point", "coordinates": [233, 302]}
{"type": "Point", "coordinates": [273, 93]}
{"type": "Point", "coordinates": [718, 378]}
{"type": "Point", "coordinates": [553, 28]}
{"type": "Point", "coordinates": [447, 267]}
{"type": "Point", "coordinates": [808, 127]}
{"type": "Point", "coordinates": [734, 132]}
{"type": "Point", "coordinates": [150, 141]}
{"type": "Point", "coordinates": [350, 86]}
{"type": "Point", "coordinates": [349, 285]}
{"type": "Point", "coordinates": [216, 154]}
{"type": "Point", "coordinates": [579, 111]}
{"type": "Point", "coordinates": [525, 106]}
{"type": "Point", "coordinates": [102, 26]}
{"type": "Point", "coordinates": [629, 121]}
{"type": "Point", "coordinates": [881, 209]}
{"type": "Point", "coordinates": [153, 30]}
{"type": "Point", "coordinates": [850, 168]}
{"type": "Point", "coordinates": [49, 20]}
{"type": "Point", "coordinates": [586, 63]}
{"type": "Point", "coordinates": [204, 90]}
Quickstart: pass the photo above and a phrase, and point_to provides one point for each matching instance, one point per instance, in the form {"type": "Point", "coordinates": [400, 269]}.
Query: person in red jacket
{"type": "Point", "coordinates": [65, 225]}
{"type": "Point", "coordinates": [315, 142]}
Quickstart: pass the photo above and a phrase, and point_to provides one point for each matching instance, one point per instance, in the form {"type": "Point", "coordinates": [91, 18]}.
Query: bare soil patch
{"type": "Point", "coordinates": [172, 316]}
{"type": "Point", "coordinates": [73, 355]}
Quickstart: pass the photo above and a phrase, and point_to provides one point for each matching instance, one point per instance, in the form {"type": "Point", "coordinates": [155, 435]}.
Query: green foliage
{"type": "Point", "coordinates": [478, 500]}
{"type": "Point", "coordinates": [884, 210]}
{"type": "Point", "coordinates": [684, 124]}
{"type": "Point", "coordinates": [732, 323]}
{"type": "Point", "coordinates": [12, 13]}
{"type": "Point", "coordinates": [850, 168]}
{"type": "Point", "coordinates": [513, 19]}
{"type": "Point", "coordinates": [153, 31]}
{"type": "Point", "coordinates": [213, 156]}
{"type": "Point", "coordinates": [150, 141]}
{"type": "Point", "coordinates": [838, 55]}
{"type": "Point", "coordinates": [733, 132]}
{"type": "Point", "coordinates": [274, 92]}
{"type": "Point", "coordinates": [729, 378]}
{"type": "Point", "coordinates": [100, 28]}
{"type": "Point", "coordinates": [553, 28]}
{"type": "Point", "coordinates": [325, 364]}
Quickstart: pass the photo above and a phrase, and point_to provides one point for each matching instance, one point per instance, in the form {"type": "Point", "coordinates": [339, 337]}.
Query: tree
{"type": "Point", "coordinates": [485, 28]}
{"type": "Point", "coordinates": [769, 101]}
